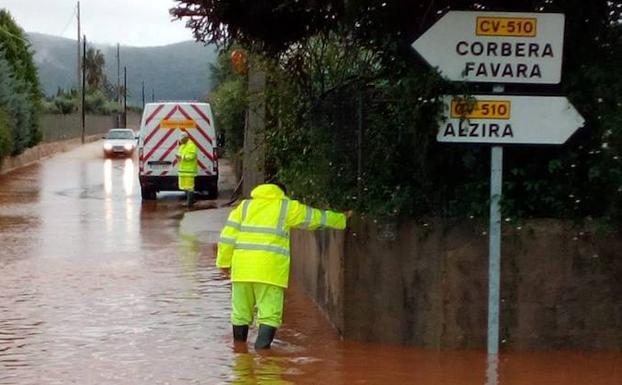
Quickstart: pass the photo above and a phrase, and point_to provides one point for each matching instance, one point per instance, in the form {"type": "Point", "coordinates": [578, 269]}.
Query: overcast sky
{"type": "Point", "coordinates": [129, 22]}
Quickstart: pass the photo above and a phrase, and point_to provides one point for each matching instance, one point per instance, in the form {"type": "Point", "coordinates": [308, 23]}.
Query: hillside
{"type": "Point", "coordinates": [176, 71]}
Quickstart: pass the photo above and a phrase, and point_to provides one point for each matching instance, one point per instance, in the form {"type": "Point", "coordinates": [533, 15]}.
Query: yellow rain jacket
{"type": "Point", "coordinates": [255, 240]}
{"type": "Point", "coordinates": [188, 159]}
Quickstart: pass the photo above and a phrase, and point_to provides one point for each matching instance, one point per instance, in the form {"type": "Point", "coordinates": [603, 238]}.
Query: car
{"type": "Point", "coordinates": [119, 141]}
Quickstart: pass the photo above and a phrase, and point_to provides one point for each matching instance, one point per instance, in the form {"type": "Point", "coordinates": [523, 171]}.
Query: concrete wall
{"type": "Point", "coordinates": [62, 133]}
{"type": "Point", "coordinates": [561, 287]}
{"type": "Point", "coordinates": [62, 127]}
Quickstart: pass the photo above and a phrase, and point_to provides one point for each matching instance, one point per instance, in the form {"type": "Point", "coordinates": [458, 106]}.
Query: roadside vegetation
{"type": "Point", "coordinates": [20, 95]}
{"type": "Point", "coordinates": [229, 102]}
{"type": "Point", "coordinates": [352, 110]}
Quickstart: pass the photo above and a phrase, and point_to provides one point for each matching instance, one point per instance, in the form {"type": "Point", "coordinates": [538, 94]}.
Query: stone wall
{"type": "Point", "coordinates": [427, 285]}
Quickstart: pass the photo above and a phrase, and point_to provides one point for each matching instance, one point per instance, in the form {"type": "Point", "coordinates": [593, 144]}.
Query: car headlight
{"type": "Point", "coordinates": [128, 146]}
{"type": "Point", "coordinates": [107, 146]}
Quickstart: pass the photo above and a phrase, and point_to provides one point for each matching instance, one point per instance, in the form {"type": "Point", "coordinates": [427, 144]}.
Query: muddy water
{"type": "Point", "coordinates": [97, 288]}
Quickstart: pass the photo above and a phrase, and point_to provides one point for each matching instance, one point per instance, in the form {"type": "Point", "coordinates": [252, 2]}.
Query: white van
{"type": "Point", "coordinates": [160, 129]}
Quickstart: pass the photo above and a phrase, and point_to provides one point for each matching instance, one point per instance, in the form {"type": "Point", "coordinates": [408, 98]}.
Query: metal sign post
{"type": "Point", "coordinates": [494, 246]}
{"type": "Point", "coordinates": [494, 241]}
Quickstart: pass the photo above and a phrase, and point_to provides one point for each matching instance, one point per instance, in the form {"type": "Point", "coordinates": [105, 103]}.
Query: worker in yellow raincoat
{"type": "Point", "coordinates": [188, 167]}
{"type": "Point", "coordinates": [255, 244]}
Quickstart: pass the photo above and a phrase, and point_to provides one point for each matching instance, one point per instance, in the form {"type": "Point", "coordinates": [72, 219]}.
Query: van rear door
{"type": "Point", "coordinates": [160, 130]}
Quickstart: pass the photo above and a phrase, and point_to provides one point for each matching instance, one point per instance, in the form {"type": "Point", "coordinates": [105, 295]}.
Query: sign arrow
{"type": "Point", "coordinates": [504, 119]}
{"type": "Point", "coordinates": [500, 47]}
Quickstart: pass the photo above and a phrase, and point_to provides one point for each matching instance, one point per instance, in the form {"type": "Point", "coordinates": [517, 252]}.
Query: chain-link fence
{"type": "Point", "coordinates": [367, 138]}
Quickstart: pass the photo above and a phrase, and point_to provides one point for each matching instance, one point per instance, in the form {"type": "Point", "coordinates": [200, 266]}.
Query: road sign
{"type": "Point", "coordinates": [508, 119]}
{"type": "Point", "coordinates": [500, 47]}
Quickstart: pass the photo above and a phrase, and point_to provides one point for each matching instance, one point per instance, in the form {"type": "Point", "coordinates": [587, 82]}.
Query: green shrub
{"type": "Point", "coordinates": [6, 134]}
{"type": "Point", "coordinates": [229, 102]}
{"type": "Point", "coordinates": [95, 102]}
{"type": "Point", "coordinates": [65, 104]}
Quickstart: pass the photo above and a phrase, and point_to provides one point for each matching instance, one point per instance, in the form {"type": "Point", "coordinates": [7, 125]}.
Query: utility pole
{"type": "Point", "coordinates": [124, 97]}
{"type": "Point", "coordinates": [83, 88]}
{"type": "Point", "coordinates": [143, 94]}
{"type": "Point", "coordinates": [118, 82]}
{"type": "Point", "coordinates": [153, 95]}
{"type": "Point", "coordinates": [78, 57]}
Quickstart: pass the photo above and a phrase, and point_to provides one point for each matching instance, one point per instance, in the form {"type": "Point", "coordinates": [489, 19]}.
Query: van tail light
{"type": "Point", "coordinates": [141, 161]}
{"type": "Point", "coordinates": [215, 162]}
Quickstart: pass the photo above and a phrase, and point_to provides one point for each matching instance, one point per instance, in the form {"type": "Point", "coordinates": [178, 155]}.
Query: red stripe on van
{"type": "Point", "coordinates": [168, 151]}
{"type": "Point", "coordinates": [153, 114]}
{"type": "Point", "coordinates": [198, 110]}
{"type": "Point", "coordinates": [160, 142]}
{"type": "Point", "coordinates": [205, 135]}
{"type": "Point", "coordinates": [203, 150]}
{"type": "Point", "coordinates": [152, 133]}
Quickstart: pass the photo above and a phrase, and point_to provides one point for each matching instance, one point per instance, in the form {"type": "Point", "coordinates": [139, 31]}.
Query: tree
{"type": "Point", "coordinates": [16, 51]}
{"type": "Point", "coordinates": [229, 100]}
{"type": "Point", "coordinates": [16, 102]}
{"type": "Point", "coordinates": [94, 64]}
{"type": "Point", "coordinates": [275, 25]}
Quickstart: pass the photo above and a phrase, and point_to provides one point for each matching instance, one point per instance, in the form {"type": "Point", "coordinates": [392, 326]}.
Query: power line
{"type": "Point", "coordinates": [73, 14]}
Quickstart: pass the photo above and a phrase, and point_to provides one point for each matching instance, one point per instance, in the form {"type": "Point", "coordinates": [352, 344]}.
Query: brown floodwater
{"type": "Point", "coordinates": [99, 288]}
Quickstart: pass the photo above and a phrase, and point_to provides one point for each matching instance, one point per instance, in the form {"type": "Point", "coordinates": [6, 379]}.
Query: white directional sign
{"type": "Point", "coordinates": [509, 119]}
{"type": "Point", "coordinates": [500, 47]}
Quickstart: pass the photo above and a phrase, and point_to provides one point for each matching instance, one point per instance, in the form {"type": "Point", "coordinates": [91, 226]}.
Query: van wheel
{"type": "Point", "coordinates": [148, 194]}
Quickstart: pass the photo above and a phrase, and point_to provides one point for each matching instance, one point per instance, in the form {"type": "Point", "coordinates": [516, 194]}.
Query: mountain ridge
{"type": "Point", "coordinates": [178, 71]}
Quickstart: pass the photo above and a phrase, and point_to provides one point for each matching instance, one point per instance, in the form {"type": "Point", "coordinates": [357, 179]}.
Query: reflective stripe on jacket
{"type": "Point", "coordinates": [255, 240]}
{"type": "Point", "coordinates": [187, 159]}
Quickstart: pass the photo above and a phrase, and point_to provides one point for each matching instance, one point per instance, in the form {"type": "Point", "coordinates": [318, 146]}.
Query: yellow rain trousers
{"type": "Point", "coordinates": [255, 244]}
{"type": "Point", "coordinates": [267, 298]}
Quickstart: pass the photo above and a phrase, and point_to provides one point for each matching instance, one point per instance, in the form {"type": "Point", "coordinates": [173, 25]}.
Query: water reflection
{"type": "Point", "coordinates": [108, 177]}
{"type": "Point", "coordinates": [129, 215]}
{"type": "Point", "coordinates": [258, 369]}
{"type": "Point", "coordinates": [128, 176]}
{"type": "Point", "coordinates": [492, 370]}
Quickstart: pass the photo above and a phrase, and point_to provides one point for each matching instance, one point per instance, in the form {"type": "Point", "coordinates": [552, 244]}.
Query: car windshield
{"type": "Point", "coordinates": [120, 134]}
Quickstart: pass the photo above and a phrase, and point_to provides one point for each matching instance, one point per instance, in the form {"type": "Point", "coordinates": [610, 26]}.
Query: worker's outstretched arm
{"type": "Point", "coordinates": [228, 237]}
{"type": "Point", "coordinates": [306, 217]}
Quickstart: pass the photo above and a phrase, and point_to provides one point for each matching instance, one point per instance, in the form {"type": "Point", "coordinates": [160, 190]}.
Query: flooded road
{"type": "Point", "coordinates": [97, 287]}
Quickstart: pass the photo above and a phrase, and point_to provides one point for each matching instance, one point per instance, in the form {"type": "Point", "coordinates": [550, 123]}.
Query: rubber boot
{"type": "Point", "coordinates": [189, 198]}
{"type": "Point", "coordinates": [265, 336]}
{"type": "Point", "coordinates": [240, 333]}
